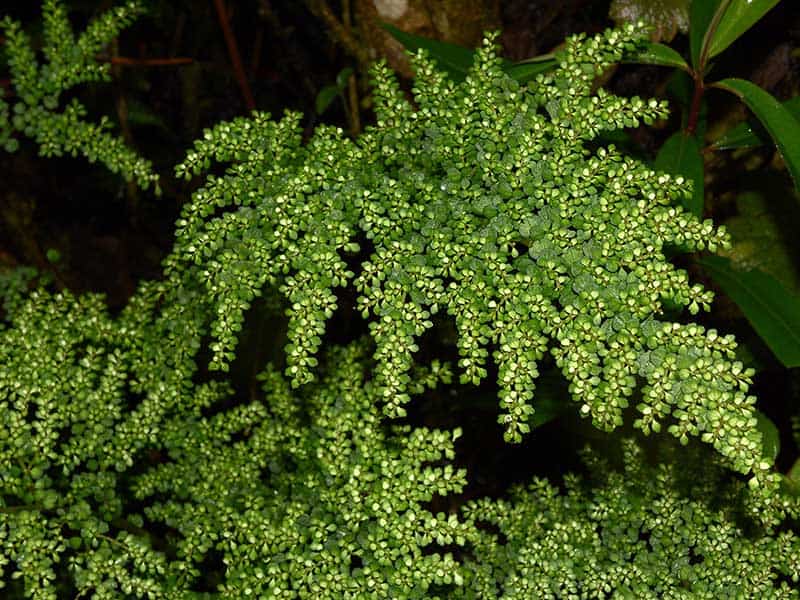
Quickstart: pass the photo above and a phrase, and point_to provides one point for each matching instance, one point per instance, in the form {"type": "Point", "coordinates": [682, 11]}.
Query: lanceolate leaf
{"type": "Point", "coordinates": [771, 309]}
{"type": "Point", "coordinates": [343, 77]}
{"type": "Point", "coordinates": [738, 18]}
{"type": "Point", "coordinates": [751, 133]}
{"type": "Point", "coordinates": [526, 70]}
{"type": "Point", "coordinates": [455, 60]}
{"type": "Point", "coordinates": [680, 155]}
{"type": "Point", "coordinates": [327, 94]}
{"type": "Point", "coordinates": [324, 98]}
{"type": "Point", "coordinates": [701, 16]}
{"type": "Point", "coordinates": [659, 54]}
{"type": "Point", "coordinates": [770, 437]}
{"type": "Point", "coordinates": [777, 119]}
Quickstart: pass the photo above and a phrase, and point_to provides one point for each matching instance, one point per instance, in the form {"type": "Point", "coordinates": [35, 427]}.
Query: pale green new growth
{"type": "Point", "coordinates": [316, 496]}
{"type": "Point", "coordinates": [486, 202]}
{"type": "Point", "coordinates": [318, 499]}
{"type": "Point", "coordinates": [127, 472]}
{"type": "Point", "coordinates": [38, 87]}
{"type": "Point", "coordinates": [69, 431]}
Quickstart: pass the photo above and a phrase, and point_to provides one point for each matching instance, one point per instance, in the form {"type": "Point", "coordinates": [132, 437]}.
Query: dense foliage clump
{"type": "Point", "coordinates": [299, 493]}
{"type": "Point", "coordinates": [675, 529]}
{"type": "Point", "coordinates": [485, 201]}
{"type": "Point", "coordinates": [129, 469]}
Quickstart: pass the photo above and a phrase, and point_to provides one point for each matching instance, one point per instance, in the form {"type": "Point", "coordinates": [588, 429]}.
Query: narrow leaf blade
{"type": "Point", "coordinates": [453, 59]}
{"type": "Point", "coordinates": [770, 437]}
{"type": "Point", "coordinates": [659, 54]}
{"type": "Point", "coordinates": [740, 16]}
{"type": "Point", "coordinates": [778, 121]}
{"type": "Point", "coordinates": [324, 98]}
{"type": "Point", "coordinates": [772, 310]}
{"type": "Point", "coordinates": [343, 77]}
{"type": "Point", "coordinates": [751, 133]}
{"type": "Point", "coordinates": [525, 71]}
{"type": "Point", "coordinates": [701, 13]}
{"type": "Point", "coordinates": [680, 155]}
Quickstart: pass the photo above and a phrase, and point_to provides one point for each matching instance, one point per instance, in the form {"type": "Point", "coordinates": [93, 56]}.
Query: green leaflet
{"type": "Point", "coordinates": [739, 16]}
{"type": "Point", "coordinates": [457, 60]}
{"type": "Point", "coordinates": [772, 310]}
{"type": "Point", "coordinates": [658, 54]}
{"type": "Point", "coordinates": [751, 133]}
{"type": "Point", "coordinates": [776, 118]}
{"type": "Point", "coordinates": [680, 155]}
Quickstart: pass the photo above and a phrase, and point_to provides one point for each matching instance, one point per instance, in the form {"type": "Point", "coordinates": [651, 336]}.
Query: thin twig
{"type": "Point", "coordinates": [177, 34]}
{"type": "Point", "coordinates": [233, 53]}
{"type": "Point", "coordinates": [355, 117]}
{"type": "Point", "coordinates": [147, 62]}
{"type": "Point", "coordinates": [255, 61]}
{"type": "Point", "coordinates": [697, 103]}
{"type": "Point", "coordinates": [346, 16]}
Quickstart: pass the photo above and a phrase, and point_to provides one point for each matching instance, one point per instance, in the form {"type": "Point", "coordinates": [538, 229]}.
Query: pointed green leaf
{"type": "Point", "coordinates": [791, 481]}
{"type": "Point", "coordinates": [526, 70]}
{"type": "Point", "coordinates": [324, 98]}
{"type": "Point", "coordinates": [680, 155]}
{"type": "Point", "coordinates": [778, 121]}
{"type": "Point", "coordinates": [751, 133]}
{"type": "Point", "coordinates": [453, 59]}
{"type": "Point", "coordinates": [740, 16]}
{"type": "Point", "coordinates": [457, 60]}
{"type": "Point", "coordinates": [343, 77]}
{"type": "Point", "coordinates": [659, 54]}
{"type": "Point", "coordinates": [327, 94]}
{"type": "Point", "coordinates": [770, 437]}
{"type": "Point", "coordinates": [772, 310]}
{"type": "Point", "coordinates": [701, 16]}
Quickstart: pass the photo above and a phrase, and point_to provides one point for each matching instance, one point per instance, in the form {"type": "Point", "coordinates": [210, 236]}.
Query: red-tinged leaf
{"type": "Point", "coordinates": [740, 16]}
{"type": "Point", "coordinates": [701, 18]}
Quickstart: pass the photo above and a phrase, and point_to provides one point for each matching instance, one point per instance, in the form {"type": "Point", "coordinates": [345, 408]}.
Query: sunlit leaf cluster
{"type": "Point", "coordinates": [82, 396]}
{"type": "Point", "coordinates": [122, 476]}
{"type": "Point", "coordinates": [488, 204]}
{"type": "Point", "coordinates": [128, 469]}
